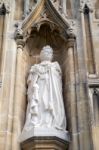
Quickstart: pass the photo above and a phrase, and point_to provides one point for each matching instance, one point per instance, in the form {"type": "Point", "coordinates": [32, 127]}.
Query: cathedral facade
{"type": "Point", "coordinates": [71, 28]}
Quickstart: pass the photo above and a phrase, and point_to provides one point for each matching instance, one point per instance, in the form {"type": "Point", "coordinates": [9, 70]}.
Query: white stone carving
{"type": "Point", "coordinates": [45, 101]}
{"type": "Point", "coordinates": [44, 132]}
{"type": "Point", "coordinates": [45, 108]}
{"type": "Point", "coordinates": [72, 30]}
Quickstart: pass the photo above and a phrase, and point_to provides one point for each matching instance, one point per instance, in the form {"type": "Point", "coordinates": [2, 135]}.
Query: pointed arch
{"type": "Point", "coordinates": [35, 17]}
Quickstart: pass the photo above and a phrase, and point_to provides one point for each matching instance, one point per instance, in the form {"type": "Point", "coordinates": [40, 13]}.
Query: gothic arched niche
{"type": "Point", "coordinates": [30, 56]}
{"type": "Point", "coordinates": [44, 26]}
{"type": "Point", "coordinates": [42, 37]}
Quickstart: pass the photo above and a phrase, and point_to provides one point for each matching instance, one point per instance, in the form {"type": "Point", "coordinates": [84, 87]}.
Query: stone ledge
{"type": "Point", "coordinates": [44, 143]}
{"type": "Point", "coordinates": [43, 132]}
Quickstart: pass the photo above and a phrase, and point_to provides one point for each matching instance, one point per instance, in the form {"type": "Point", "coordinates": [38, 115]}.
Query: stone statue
{"type": "Point", "coordinates": [45, 101]}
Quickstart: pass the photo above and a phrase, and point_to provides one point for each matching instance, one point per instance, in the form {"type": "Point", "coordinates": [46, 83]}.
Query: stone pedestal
{"type": "Point", "coordinates": [44, 139]}
{"type": "Point", "coordinates": [44, 143]}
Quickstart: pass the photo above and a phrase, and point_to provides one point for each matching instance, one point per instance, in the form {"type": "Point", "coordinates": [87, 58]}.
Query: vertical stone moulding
{"type": "Point", "coordinates": [71, 82]}
{"type": "Point", "coordinates": [97, 10]}
{"type": "Point", "coordinates": [89, 44]}
{"type": "Point", "coordinates": [16, 123]}
{"type": "Point", "coordinates": [2, 31]}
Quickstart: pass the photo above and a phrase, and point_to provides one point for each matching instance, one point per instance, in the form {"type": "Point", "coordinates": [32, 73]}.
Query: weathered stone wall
{"type": "Point", "coordinates": [16, 57]}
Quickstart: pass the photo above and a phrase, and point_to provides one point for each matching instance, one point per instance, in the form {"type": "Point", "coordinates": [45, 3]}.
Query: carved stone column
{"type": "Point", "coordinates": [77, 101]}
{"type": "Point", "coordinates": [80, 124]}
{"type": "Point", "coordinates": [64, 7]}
{"type": "Point", "coordinates": [70, 73]}
{"type": "Point", "coordinates": [7, 56]}
{"type": "Point", "coordinates": [18, 93]}
{"type": "Point", "coordinates": [4, 11]}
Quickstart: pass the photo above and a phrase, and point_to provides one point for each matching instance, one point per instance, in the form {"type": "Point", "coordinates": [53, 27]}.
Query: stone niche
{"type": "Point", "coordinates": [36, 40]}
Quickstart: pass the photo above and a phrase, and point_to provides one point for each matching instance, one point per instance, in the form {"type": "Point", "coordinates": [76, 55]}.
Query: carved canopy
{"type": "Point", "coordinates": [45, 12]}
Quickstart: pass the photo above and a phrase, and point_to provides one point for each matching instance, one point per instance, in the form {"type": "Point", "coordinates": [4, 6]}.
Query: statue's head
{"type": "Point", "coordinates": [46, 53]}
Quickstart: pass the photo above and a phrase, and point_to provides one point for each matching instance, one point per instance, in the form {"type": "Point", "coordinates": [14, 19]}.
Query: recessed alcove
{"type": "Point", "coordinates": [34, 44]}
{"type": "Point", "coordinates": [30, 56]}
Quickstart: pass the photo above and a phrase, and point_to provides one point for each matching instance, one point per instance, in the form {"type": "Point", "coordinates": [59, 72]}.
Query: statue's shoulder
{"type": "Point", "coordinates": [34, 67]}
{"type": "Point", "coordinates": [56, 64]}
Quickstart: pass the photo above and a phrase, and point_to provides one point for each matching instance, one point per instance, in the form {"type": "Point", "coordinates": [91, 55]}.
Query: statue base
{"type": "Point", "coordinates": [44, 138]}
{"type": "Point", "coordinates": [44, 143]}
{"type": "Point", "coordinates": [43, 132]}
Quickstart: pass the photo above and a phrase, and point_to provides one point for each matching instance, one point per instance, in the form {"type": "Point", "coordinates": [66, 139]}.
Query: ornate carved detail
{"type": "Point", "coordinates": [46, 13]}
{"type": "Point", "coordinates": [18, 33]}
{"type": "Point", "coordinates": [19, 37]}
{"type": "Point", "coordinates": [28, 8]}
{"type": "Point", "coordinates": [70, 42]}
{"type": "Point", "coordinates": [72, 29]}
{"type": "Point", "coordinates": [49, 14]}
{"type": "Point", "coordinates": [20, 43]}
{"type": "Point", "coordinates": [4, 7]}
{"type": "Point", "coordinates": [89, 3]}
{"type": "Point", "coordinates": [60, 5]}
{"type": "Point", "coordinates": [45, 17]}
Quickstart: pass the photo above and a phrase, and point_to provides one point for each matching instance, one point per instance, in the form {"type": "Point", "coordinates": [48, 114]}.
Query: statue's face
{"type": "Point", "coordinates": [46, 55]}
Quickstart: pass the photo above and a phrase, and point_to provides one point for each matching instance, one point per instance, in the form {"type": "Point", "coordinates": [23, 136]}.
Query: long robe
{"type": "Point", "coordinates": [45, 101]}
